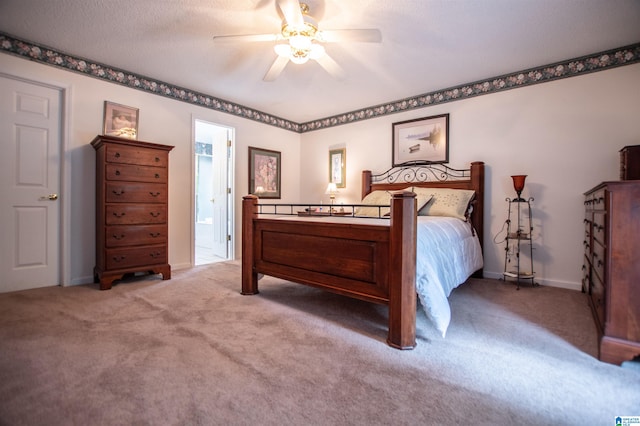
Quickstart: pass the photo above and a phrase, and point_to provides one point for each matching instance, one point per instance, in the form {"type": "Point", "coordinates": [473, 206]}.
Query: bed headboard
{"type": "Point", "coordinates": [433, 176]}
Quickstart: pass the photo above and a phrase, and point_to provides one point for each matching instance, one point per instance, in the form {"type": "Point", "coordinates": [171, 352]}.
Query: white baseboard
{"type": "Point", "coordinates": [577, 286]}
{"type": "Point", "coordinates": [89, 279]}
{"type": "Point", "coordinates": [79, 281]}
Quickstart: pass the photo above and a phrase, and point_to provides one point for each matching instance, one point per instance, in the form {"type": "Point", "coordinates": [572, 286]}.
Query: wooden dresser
{"type": "Point", "coordinates": [630, 162]}
{"type": "Point", "coordinates": [131, 208]}
{"type": "Point", "coordinates": [612, 267]}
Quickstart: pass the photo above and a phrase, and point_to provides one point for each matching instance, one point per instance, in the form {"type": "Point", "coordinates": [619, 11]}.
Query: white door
{"type": "Point", "coordinates": [212, 192]}
{"type": "Point", "coordinates": [30, 139]}
{"type": "Point", "coordinates": [220, 193]}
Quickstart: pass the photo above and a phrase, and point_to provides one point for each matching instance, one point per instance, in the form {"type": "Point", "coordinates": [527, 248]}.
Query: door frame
{"type": "Point", "coordinates": [64, 238]}
{"type": "Point", "coordinates": [231, 183]}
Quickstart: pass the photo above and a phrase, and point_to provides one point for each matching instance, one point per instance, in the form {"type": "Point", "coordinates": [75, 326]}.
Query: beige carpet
{"type": "Point", "coordinates": [193, 351]}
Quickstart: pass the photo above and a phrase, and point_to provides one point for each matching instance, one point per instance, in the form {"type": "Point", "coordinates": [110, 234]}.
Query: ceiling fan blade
{"type": "Point", "coordinates": [331, 66]}
{"type": "Point", "coordinates": [246, 38]}
{"type": "Point", "coordinates": [276, 68]}
{"type": "Point", "coordinates": [291, 11]}
{"type": "Point", "coordinates": [365, 35]}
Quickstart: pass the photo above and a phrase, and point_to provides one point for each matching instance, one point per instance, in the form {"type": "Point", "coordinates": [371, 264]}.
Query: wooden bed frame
{"type": "Point", "coordinates": [374, 262]}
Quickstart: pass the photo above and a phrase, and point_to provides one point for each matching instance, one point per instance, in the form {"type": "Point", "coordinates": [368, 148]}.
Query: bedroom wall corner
{"type": "Point", "coordinates": [565, 135]}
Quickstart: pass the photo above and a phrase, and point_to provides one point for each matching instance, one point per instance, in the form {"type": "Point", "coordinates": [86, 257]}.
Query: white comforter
{"type": "Point", "coordinates": [447, 254]}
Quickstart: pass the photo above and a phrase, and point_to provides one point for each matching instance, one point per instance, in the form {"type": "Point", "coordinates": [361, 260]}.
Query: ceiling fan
{"type": "Point", "coordinates": [300, 39]}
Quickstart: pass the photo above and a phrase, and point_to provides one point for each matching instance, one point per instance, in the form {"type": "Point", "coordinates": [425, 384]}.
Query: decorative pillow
{"type": "Point", "coordinates": [445, 202]}
{"type": "Point", "coordinates": [422, 199]}
{"type": "Point", "coordinates": [384, 198]}
{"type": "Point", "coordinates": [375, 198]}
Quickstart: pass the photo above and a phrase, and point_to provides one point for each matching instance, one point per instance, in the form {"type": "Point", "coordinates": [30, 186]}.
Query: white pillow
{"type": "Point", "coordinates": [375, 198]}
{"type": "Point", "coordinates": [422, 199]}
{"type": "Point", "coordinates": [384, 198]}
{"type": "Point", "coordinates": [445, 202]}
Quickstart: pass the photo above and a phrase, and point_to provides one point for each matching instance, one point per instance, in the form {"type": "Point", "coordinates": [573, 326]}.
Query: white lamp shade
{"type": "Point", "coordinates": [300, 42]}
{"type": "Point", "coordinates": [331, 188]}
{"type": "Point", "coordinates": [282, 50]}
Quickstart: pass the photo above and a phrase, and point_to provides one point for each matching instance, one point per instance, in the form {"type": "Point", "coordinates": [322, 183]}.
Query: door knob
{"type": "Point", "coordinates": [51, 197]}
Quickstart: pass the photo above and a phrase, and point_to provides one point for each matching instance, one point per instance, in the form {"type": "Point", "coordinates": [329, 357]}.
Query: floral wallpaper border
{"type": "Point", "coordinates": [573, 67]}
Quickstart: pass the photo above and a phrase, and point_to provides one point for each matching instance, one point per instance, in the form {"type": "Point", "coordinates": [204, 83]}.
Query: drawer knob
{"type": "Point", "coordinates": [154, 234]}
{"type": "Point", "coordinates": [118, 258]}
{"type": "Point", "coordinates": [118, 237]}
{"type": "Point", "coordinates": [117, 172]}
{"type": "Point", "coordinates": [154, 194]}
{"type": "Point", "coordinates": [118, 191]}
{"type": "Point", "coordinates": [154, 214]}
{"type": "Point", "coordinates": [157, 159]}
{"type": "Point", "coordinates": [117, 155]}
{"type": "Point", "coordinates": [117, 214]}
{"type": "Point", "coordinates": [154, 255]}
{"type": "Point", "coordinates": [157, 175]}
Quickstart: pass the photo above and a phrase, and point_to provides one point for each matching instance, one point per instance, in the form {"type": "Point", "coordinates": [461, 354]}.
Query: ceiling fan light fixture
{"type": "Point", "coordinates": [299, 56]}
{"type": "Point", "coordinates": [300, 42]}
{"type": "Point", "coordinates": [282, 50]}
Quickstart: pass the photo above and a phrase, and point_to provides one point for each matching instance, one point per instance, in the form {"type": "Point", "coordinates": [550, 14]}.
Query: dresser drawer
{"type": "Point", "coordinates": [599, 219]}
{"type": "Point", "coordinates": [586, 241]}
{"type": "Point", "coordinates": [595, 200]}
{"type": "Point", "coordinates": [136, 155]}
{"type": "Point", "coordinates": [597, 300]}
{"type": "Point", "coordinates": [138, 214]}
{"type": "Point", "coordinates": [586, 275]}
{"type": "Point", "coordinates": [130, 172]}
{"type": "Point", "coordinates": [136, 256]}
{"type": "Point", "coordinates": [127, 192]}
{"type": "Point", "coordinates": [135, 235]}
{"type": "Point", "coordinates": [598, 259]}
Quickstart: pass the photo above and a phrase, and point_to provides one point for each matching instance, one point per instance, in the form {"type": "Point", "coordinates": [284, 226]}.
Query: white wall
{"type": "Point", "coordinates": [565, 135]}
{"type": "Point", "coordinates": [162, 121]}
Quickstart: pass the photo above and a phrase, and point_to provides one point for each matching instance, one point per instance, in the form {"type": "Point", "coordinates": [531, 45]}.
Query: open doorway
{"type": "Point", "coordinates": [212, 197]}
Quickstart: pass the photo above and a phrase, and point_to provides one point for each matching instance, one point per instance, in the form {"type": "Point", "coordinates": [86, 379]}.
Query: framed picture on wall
{"type": "Point", "coordinates": [421, 141]}
{"type": "Point", "coordinates": [120, 120]}
{"type": "Point", "coordinates": [337, 167]}
{"type": "Point", "coordinates": [264, 172]}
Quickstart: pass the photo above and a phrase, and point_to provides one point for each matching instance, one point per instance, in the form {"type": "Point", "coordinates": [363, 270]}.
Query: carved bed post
{"type": "Point", "coordinates": [249, 276]}
{"type": "Point", "coordinates": [402, 271]}
{"type": "Point", "coordinates": [477, 216]}
{"type": "Point", "coordinates": [366, 182]}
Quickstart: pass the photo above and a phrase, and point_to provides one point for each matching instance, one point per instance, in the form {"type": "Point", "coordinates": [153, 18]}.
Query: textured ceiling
{"type": "Point", "coordinates": [427, 45]}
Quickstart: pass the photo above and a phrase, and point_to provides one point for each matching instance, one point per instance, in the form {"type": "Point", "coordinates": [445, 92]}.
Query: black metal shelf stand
{"type": "Point", "coordinates": [519, 233]}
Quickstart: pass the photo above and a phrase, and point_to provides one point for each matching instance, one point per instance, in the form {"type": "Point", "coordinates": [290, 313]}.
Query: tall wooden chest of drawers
{"type": "Point", "coordinates": [630, 162]}
{"type": "Point", "coordinates": [612, 267]}
{"type": "Point", "coordinates": [131, 208]}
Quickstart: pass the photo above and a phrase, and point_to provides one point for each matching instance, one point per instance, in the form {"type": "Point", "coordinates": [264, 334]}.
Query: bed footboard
{"type": "Point", "coordinates": [371, 262]}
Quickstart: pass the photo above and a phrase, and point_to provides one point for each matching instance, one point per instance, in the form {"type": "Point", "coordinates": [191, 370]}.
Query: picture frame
{"type": "Point", "coordinates": [264, 172]}
{"type": "Point", "coordinates": [421, 141]}
{"type": "Point", "coordinates": [337, 167]}
{"type": "Point", "coordinates": [120, 120]}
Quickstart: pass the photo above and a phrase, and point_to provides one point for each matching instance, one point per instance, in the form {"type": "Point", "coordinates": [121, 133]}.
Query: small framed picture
{"type": "Point", "coordinates": [120, 120]}
{"type": "Point", "coordinates": [421, 141]}
{"type": "Point", "coordinates": [337, 167]}
{"type": "Point", "coordinates": [264, 172]}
